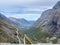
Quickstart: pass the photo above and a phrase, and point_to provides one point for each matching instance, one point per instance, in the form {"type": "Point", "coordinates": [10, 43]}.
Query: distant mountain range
{"type": "Point", "coordinates": [22, 23]}
{"type": "Point", "coordinates": [19, 23]}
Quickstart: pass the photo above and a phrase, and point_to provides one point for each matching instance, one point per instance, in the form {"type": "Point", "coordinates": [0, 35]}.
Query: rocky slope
{"type": "Point", "coordinates": [8, 32]}
{"type": "Point", "coordinates": [7, 20]}
{"type": "Point", "coordinates": [50, 20]}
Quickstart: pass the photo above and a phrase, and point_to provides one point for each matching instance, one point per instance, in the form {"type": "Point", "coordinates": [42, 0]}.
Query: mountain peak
{"type": "Point", "coordinates": [2, 16]}
{"type": "Point", "coordinates": [57, 5]}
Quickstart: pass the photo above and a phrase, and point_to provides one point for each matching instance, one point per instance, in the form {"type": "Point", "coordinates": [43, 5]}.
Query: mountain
{"type": "Point", "coordinates": [2, 17]}
{"type": "Point", "coordinates": [22, 23]}
{"type": "Point", "coordinates": [7, 20]}
{"type": "Point", "coordinates": [47, 27]}
{"type": "Point", "coordinates": [50, 20]}
{"type": "Point", "coordinates": [19, 23]}
{"type": "Point", "coordinates": [8, 32]}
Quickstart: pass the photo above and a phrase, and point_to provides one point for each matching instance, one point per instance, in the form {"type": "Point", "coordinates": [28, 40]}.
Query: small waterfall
{"type": "Point", "coordinates": [24, 39]}
{"type": "Point", "coordinates": [18, 36]}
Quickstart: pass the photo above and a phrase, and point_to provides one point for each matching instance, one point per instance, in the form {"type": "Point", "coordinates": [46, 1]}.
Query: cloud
{"type": "Point", "coordinates": [25, 8]}
{"type": "Point", "coordinates": [28, 2]}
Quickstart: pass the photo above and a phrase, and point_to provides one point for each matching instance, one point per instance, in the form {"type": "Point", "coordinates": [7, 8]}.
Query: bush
{"type": "Point", "coordinates": [54, 41]}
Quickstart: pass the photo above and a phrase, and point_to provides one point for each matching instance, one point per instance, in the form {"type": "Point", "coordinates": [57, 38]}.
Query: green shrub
{"type": "Point", "coordinates": [54, 41]}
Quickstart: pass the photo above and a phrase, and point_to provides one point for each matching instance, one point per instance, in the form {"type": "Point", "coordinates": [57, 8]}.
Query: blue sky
{"type": "Point", "coordinates": [28, 9]}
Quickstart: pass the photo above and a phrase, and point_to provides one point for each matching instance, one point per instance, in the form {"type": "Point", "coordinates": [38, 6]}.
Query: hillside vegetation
{"type": "Point", "coordinates": [7, 33]}
{"type": "Point", "coordinates": [37, 35]}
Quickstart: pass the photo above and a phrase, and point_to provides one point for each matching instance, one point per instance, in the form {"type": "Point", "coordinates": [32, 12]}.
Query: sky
{"type": "Point", "coordinates": [27, 9]}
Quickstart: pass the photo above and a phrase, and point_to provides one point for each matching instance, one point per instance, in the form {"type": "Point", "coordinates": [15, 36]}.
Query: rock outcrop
{"type": "Point", "coordinates": [50, 20]}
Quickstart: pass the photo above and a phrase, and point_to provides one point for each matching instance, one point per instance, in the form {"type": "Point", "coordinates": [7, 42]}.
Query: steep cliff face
{"type": "Point", "coordinates": [8, 32]}
{"type": "Point", "coordinates": [50, 20]}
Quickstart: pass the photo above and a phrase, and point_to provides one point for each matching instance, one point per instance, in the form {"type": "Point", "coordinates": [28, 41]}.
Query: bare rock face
{"type": "Point", "coordinates": [50, 20]}
{"type": "Point", "coordinates": [57, 5]}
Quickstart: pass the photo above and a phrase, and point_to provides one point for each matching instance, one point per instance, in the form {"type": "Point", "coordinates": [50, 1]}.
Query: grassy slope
{"type": "Point", "coordinates": [4, 37]}
{"type": "Point", "coordinates": [36, 34]}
